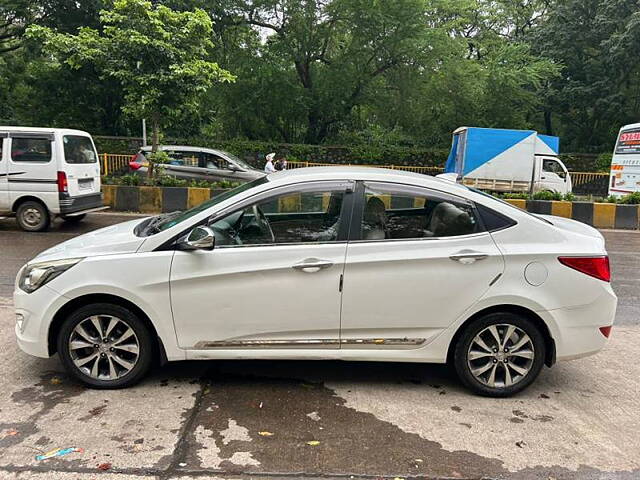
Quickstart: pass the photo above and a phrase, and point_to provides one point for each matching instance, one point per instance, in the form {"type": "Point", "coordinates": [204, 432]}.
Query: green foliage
{"type": "Point", "coordinates": [547, 195]}
{"type": "Point", "coordinates": [131, 180]}
{"type": "Point", "coordinates": [392, 78]}
{"type": "Point", "coordinates": [158, 56]}
{"type": "Point", "coordinates": [603, 162]}
{"type": "Point", "coordinates": [134, 180]}
{"type": "Point", "coordinates": [630, 199]}
{"type": "Point", "coordinates": [518, 196]}
{"type": "Point", "coordinates": [569, 197]}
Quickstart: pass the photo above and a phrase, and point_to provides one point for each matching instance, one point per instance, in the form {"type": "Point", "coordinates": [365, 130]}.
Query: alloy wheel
{"type": "Point", "coordinates": [500, 355]}
{"type": "Point", "coordinates": [104, 347]}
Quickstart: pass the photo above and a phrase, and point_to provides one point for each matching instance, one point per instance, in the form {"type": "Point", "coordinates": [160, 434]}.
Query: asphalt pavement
{"type": "Point", "coordinates": [250, 419]}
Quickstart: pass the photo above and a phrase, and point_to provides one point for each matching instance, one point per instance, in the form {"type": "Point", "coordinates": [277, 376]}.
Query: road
{"type": "Point", "coordinates": [245, 419]}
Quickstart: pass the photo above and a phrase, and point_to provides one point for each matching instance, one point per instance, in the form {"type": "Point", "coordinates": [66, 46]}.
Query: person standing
{"type": "Point", "coordinates": [269, 167]}
{"type": "Point", "coordinates": [281, 163]}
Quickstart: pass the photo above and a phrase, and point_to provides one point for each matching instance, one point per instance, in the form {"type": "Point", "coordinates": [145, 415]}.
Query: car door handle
{"type": "Point", "coordinates": [467, 257]}
{"type": "Point", "coordinates": [312, 265]}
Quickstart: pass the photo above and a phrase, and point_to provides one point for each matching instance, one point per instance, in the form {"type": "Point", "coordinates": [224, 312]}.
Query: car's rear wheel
{"type": "Point", "coordinates": [73, 218]}
{"type": "Point", "coordinates": [105, 346]}
{"type": "Point", "coordinates": [499, 354]}
{"type": "Point", "coordinates": [33, 216]}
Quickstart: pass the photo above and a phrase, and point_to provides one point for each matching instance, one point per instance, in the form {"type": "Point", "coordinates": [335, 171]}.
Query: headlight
{"type": "Point", "coordinates": [33, 276]}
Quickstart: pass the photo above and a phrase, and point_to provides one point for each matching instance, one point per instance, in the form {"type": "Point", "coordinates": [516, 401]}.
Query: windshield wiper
{"type": "Point", "coordinates": [156, 222]}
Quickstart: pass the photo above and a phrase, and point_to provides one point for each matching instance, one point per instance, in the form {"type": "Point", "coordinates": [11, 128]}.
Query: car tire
{"type": "Point", "coordinates": [74, 218]}
{"type": "Point", "coordinates": [514, 367]}
{"type": "Point", "coordinates": [122, 359]}
{"type": "Point", "coordinates": [33, 216]}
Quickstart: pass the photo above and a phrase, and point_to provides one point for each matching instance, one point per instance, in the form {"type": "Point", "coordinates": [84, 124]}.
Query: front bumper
{"type": "Point", "coordinates": [36, 311]}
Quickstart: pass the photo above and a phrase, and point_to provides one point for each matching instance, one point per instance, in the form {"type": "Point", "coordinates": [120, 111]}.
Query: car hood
{"type": "Point", "coordinates": [110, 240]}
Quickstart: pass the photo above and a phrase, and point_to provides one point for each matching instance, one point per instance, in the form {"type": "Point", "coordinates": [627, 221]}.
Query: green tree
{"type": "Point", "coordinates": [159, 57]}
{"type": "Point", "coordinates": [595, 42]}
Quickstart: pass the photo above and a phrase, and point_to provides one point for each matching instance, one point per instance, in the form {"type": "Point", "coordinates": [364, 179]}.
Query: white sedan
{"type": "Point", "coordinates": [325, 263]}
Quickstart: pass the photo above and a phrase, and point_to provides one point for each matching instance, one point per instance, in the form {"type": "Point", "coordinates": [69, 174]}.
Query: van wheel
{"type": "Point", "coordinates": [74, 218]}
{"type": "Point", "coordinates": [499, 354]}
{"type": "Point", "coordinates": [105, 346]}
{"type": "Point", "coordinates": [33, 216]}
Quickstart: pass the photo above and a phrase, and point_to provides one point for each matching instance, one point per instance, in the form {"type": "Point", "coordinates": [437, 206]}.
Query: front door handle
{"type": "Point", "coordinates": [312, 265]}
{"type": "Point", "coordinates": [467, 257]}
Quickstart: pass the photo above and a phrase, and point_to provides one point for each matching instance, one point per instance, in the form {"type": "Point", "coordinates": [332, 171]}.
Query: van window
{"type": "Point", "coordinates": [79, 149]}
{"type": "Point", "coordinates": [30, 149]}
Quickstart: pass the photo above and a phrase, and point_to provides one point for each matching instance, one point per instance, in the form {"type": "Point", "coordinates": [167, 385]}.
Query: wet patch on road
{"type": "Point", "coordinates": [262, 424]}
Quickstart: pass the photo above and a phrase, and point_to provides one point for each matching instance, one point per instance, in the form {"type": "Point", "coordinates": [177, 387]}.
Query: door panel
{"type": "Point", "coordinates": [254, 293]}
{"type": "Point", "coordinates": [81, 165]}
{"type": "Point", "coordinates": [32, 167]}
{"type": "Point", "coordinates": [273, 278]}
{"type": "Point", "coordinates": [412, 288]}
{"type": "Point", "coordinates": [417, 261]}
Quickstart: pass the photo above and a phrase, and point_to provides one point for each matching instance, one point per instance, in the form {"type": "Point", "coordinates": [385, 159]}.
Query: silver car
{"type": "Point", "coordinates": [197, 163]}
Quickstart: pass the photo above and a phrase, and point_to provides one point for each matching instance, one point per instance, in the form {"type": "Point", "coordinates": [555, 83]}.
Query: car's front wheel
{"type": "Point", "coordinates": [499, 354]}
{"type": "Point", "coordinates": [105, 346]}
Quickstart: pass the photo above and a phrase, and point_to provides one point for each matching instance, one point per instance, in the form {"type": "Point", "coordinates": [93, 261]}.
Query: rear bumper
{"type": "Point", "coordinates": [79, 204]}
{"type": "Point", "coordinates": [578, 328]}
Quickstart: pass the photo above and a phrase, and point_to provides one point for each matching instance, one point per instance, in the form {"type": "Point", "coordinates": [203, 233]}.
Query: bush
{"type": "Point", "coordinates": [129, 179]}
{"type": "Point", "coordinates": [630, 199]}
{"type": "Point", "coordinates": [547, 195]}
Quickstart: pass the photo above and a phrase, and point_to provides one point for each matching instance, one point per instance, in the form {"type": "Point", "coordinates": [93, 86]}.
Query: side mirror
{"type": "Point", "coordinates": [200, 238]}
{"type": "Point", "coordinates": [234, 168]}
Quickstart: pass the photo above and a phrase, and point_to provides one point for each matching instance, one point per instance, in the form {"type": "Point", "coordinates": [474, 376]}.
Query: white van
{"type": "Point", "coordinates": [46, 172]}
{"type": "Point", "coordinates": [625, 163]}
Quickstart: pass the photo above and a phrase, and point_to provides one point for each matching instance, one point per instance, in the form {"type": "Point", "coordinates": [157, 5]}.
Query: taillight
{"type": "Point", "coordinates": [606, 331]}
{"type": "Point", "coordinates": [63, 186]}
{"type": "Point", "coordinates": [597, 267]}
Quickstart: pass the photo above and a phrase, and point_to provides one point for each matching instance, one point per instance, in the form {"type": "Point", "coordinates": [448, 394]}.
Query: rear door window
{"type": "Point", "coordinates": [393, 212]}
{"type": "Point", "coordinates": [79, 149]}
{"type": "Point", "coordinates": [30, 149]}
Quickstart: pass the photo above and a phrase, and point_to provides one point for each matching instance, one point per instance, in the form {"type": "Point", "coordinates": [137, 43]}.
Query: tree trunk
{"type": "Point", "coordinates": [155, 139]}
{"type": "Point", "coordinates": [548, 127]}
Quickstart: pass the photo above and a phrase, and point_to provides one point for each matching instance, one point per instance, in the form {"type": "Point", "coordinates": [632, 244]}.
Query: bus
{"type": "Point", "coordinates": [625, 163]}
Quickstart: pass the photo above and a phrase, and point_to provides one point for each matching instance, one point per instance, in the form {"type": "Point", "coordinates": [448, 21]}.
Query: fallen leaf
{"type": "Point", "coordinates": [265, 434]}
{"type": "Point", "coordinates": [313, 443]}
{"type": "Point", "coordinates": [55, 380]}
{"type": "Point", "coordinates": [104, 466]}
{"type": "Point", "coordinates": [11, 433]}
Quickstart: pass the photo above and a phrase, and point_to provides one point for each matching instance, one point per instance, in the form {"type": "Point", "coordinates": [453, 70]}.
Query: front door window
{"type": "Point", "coordinates": [288, 218]}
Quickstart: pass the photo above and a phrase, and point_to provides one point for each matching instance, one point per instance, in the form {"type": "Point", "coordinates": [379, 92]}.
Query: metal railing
{"type": "Point", "coordinates": [111, 163]}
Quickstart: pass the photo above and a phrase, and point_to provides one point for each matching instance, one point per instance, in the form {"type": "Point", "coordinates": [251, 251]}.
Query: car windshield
{"type": "Point", "coordinates": [238, 160]}
{"type": "Point", "coordinates": [166, 221]}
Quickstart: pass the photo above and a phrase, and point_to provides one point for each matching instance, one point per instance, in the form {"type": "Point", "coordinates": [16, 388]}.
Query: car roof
{"type": "Point", "coordinates": [185, 148]}
{"type": "Point", "coordinates": [6, 128]}
{"type": "Point", "coordinates": [364, 173]}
